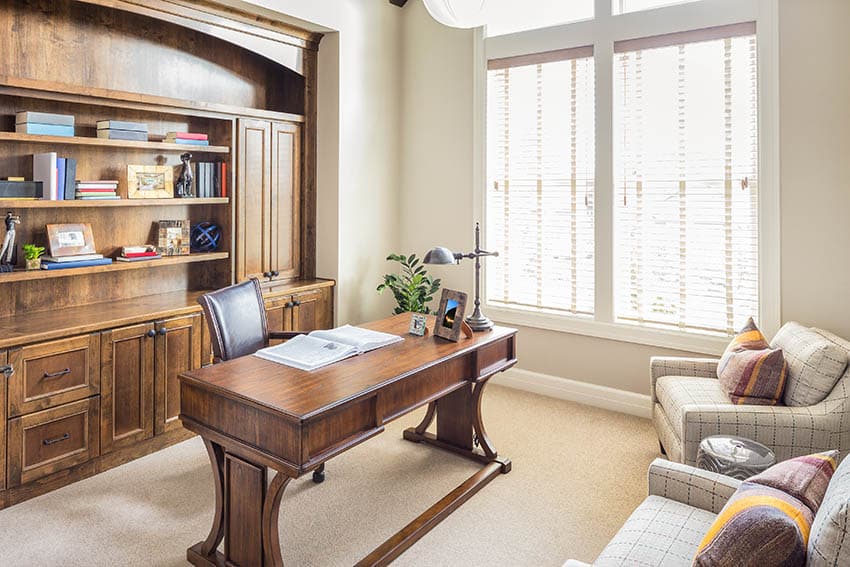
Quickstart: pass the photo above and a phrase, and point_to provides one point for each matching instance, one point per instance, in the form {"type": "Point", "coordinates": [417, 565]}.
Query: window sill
{"type": "Point", "coordinates": [690, 342]}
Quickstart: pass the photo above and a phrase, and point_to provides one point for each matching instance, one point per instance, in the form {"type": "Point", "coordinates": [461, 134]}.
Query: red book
{"type": "Point", "coordinates": [139, 254]}
{"type": "Point", "coordinates": [224, 179]}
{"type": "Point", "coordinates": [187, 136]}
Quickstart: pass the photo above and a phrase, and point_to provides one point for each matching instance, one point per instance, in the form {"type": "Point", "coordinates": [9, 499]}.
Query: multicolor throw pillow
{"type": "Point", "coordinates": [750, 371]}
{"type": "Point", "coordinates": [768, 519]}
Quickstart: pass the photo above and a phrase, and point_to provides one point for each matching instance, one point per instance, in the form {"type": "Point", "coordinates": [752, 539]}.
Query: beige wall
{"type": "Point", "coordinates": [815, 151]}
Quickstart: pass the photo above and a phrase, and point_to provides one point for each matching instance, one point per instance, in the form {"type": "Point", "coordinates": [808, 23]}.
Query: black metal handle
{"type": "Point", "coordinates": [289, 304]}
{"type": "Point", "coordinates": [151, 333]}
{"type": "Point", "coordinates": [57, 374]}
{"type": "Point", "coordinates": [7, 370]}
{"type": "Point", "coordinates": [267, 274]}
{"type": "Point", "coordinates": [275, 273]}
{"type": "Point", "coordinates": [296, 303]}
{"type": "Point", "coordinates": [64, 437]}
{"type": "Point", "coordinates": [163, 331]}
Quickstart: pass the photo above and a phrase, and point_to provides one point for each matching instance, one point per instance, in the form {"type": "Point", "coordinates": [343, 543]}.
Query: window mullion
{"type": "Point", "coordinates": [604, 182]}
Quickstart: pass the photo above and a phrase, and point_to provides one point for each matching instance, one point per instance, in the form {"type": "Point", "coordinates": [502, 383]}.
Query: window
{"type": "Point", "coordinates": [632, 186]}
{"type": "Point", "coordinates": [541, 181]}
{"type": "Point", "coordinates": [505, 18]}
{"type": "Point", "coordinates": [686, 180]}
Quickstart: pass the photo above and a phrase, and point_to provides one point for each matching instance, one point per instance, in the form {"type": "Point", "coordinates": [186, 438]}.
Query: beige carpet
{"type": "Point", "coordinates": [578, 472]}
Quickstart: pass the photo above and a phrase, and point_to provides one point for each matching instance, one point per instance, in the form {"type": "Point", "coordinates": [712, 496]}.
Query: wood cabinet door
{"type": "Point", "coordinates": [286, 200]}
{"type": "Point", "coordinates": [126, 382]}
{"type": "Point", "coordinates": [177, 349]}
{"type": "Point", "coordinates": [3, 361]}
{"type": "Point", "coordinates": [310, 311]}
{"type": "Point", "coordinates": [279, 315]}
{"type": "Point", "coordinates": [207, 354]}
{"type": "Point", "coordinates": [253, 198]}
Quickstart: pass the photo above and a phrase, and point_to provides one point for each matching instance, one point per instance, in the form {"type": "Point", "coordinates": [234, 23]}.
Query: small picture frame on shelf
{"type": "Point", "coordinates": [418, 325]}
{"type": "Point", "coordinates": [173, 237]}
{"type": "Point", "coordinates": [150, 182]}
{"type": "Point", "coordinates": [70, 239]}
{"type": "Point", "coordinates": [449, 321]}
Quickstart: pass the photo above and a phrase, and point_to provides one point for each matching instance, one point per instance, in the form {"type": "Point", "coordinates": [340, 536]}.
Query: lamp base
{"type": "Point", "coordinates": [479, 322]}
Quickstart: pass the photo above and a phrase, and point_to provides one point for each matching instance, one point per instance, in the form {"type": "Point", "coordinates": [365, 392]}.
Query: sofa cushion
{"type": "Point", "coordinates": [660, 532]}
{"type": "Point", "coordinates": [805, 478]}
{"type": "Point", "coordinates": [829, 543]}
{"type": "Point", "coordinates": [759, 525]}
{"type": "Point", "coordinates": [751, 372]}
{"type": "Point", "coordinates": [675, 392]}
{"type": "Point", "coordinates": [814, 364]}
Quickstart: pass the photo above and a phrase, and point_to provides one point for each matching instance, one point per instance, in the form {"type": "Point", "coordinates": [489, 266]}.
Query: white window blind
{"type": "Point", "coordinates": [540, 170]}
{"type": "Point", "coordinates": [686, 186]}
{"type": "Point", "coordinates": [625, 6]}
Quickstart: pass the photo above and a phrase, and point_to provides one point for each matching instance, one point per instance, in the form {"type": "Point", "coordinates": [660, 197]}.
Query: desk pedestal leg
{"type": "Point", "coordinates": [246, 515]}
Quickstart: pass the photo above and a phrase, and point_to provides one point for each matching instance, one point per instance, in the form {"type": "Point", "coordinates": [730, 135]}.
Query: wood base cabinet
{"type": "Point", "coordinates": [305, 311]}
{"type": "Point", "coordinates": [3, 386]}
{"type": "Point", "coordinates": [178, 349]}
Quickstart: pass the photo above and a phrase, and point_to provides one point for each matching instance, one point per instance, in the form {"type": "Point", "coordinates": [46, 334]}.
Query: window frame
{"type": "Point", "coordinates": [601, 32]}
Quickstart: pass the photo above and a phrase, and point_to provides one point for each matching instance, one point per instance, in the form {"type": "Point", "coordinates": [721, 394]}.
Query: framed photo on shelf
{"type": "Point", "coordinates": [450, 315]}
{"type": "Point", "coordinates": [150, 182]}
{"type": "Point", "coordinates": [173, 237]}
{"type": "Point", "coordinates": [70, 239]}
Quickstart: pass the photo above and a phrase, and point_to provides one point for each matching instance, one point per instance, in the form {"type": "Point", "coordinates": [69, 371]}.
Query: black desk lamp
{"type": "Point", "coordinates": [442, 255]}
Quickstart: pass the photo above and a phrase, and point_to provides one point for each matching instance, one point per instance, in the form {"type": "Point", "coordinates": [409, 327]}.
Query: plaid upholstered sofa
{"type": "Point", "coordinates": [667, 528]}
{"type": "Point", "coordinates": [689, 404]}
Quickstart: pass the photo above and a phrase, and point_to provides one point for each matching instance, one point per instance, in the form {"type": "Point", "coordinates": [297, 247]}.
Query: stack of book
{"type": "Point", "coordinates": [187, 138]}
{"type": "Point", "coordinates": [121, 130]}
{"type": "Point", "coordinates": [138, 254]}
{"type": "Point", "coordinates": [56, 174]}
{"type": "Point", "coordinates": [93, 190]}
{"type": "Point", "coordinates": [77, 261]}
{"type": "Point", "coordinates": [44, 123]}
{"type": "Point", "coordinates": [19, 188]}
{"type": "Point", "coordinates": [211, 179]}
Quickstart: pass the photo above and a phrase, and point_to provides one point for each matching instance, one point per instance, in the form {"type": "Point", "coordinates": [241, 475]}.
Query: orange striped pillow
{"type": "Point", "coordinates": [750, 371]}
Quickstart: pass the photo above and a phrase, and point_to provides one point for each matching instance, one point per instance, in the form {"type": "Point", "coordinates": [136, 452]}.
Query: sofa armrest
{"type": "Point", "coordinates": [690, 485]}
{"type": "Point", "coordinates": [680, 366]}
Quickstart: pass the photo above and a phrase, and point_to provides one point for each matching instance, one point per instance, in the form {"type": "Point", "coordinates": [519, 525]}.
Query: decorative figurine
{"type": "Point", "coordinates": [186, 181]}
{"type": "Point", "coordinates": [8, 249]}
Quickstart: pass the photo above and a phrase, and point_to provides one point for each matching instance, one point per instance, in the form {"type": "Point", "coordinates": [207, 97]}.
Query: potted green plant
{"type": "Point", "coordinates": [32, 254]}
{"type": "Point", "coordinates": [412, 288]}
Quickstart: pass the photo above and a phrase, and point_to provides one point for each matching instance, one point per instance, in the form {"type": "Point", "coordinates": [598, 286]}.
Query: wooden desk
{"type": "Point", "coordinates": [254, 415]}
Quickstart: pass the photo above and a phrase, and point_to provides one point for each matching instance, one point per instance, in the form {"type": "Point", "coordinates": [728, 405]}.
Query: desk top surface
{"type": "Point", "coordinates": [303, 394]}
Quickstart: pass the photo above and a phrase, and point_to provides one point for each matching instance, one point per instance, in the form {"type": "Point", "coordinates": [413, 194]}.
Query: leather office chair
{"type": "Point", "coordinates": [236, 316]}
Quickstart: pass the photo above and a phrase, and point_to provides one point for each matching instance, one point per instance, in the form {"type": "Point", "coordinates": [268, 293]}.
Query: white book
{"type": "Point", "coordinates": [44, 170]}
{"type": "Point", "coordinates": [76, 258]}
{"type": "Point", "coordinates": [321, 348]}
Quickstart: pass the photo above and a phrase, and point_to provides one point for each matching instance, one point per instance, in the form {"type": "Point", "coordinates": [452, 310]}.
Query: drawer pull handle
{"type": "Point", "coordinates": [57, 374]}
{"type": "Point", "coordinates": [64, 437]}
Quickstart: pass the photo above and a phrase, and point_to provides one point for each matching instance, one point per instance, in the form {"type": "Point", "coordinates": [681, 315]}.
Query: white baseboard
{"type": "Point", "coordinates": [576, 391]}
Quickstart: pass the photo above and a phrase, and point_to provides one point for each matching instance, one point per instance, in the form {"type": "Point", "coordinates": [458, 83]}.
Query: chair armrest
{"type": "Point", "coordinates": [680, 366]}
{"type": "Point", "coordinates": [285, 334]}
{"type": "Point", "coordinates": [690, 485]}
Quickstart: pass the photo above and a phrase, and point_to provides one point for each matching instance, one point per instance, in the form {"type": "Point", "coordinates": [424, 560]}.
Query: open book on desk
{"type": "Point", "coordinates": [321, 348]}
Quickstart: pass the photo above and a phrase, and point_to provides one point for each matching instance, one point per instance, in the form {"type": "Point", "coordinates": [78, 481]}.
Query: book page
{"type": "Point", "coordinates": [362, 339]}
{"type": "Point", "coordinates": [307, 353]}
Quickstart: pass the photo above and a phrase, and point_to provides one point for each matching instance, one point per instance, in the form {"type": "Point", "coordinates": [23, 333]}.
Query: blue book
{"type": "Point", "coordinates": [79, 264]}
{"type": "Point", "coordinates": [44, 129]}
{"type": "Point", "coordinates": [184, 142]}
{"type": "Point", "coordinates": [61, 165]}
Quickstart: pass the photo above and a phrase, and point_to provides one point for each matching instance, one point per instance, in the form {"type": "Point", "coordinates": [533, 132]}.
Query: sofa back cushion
{"type": "Point", "coordinates": [829, 543]}
{"type": "Point", "coordinates": [759, 525]}
{"type": "Point", "coordinates": [750, 371]}
{"type": "Point", "coordinates": [814, 364]}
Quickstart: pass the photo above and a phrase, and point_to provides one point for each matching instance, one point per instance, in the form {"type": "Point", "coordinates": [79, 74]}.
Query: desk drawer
{"type": "Point", "coordinates": [54, 373]}
{"type": "Point", "coordinates": [52, 440]}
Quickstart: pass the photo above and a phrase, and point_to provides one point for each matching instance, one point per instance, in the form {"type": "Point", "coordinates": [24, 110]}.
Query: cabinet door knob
{"type": "Point", "coordinates": [296, 303]}
{"type": "Point", "coordinates": [7, 370]}
{"type": "Point", "coordinates": [151, 333]}
{"type": "Point", "coordinates": [289, 304]}
{"type": "Point", "coordinates": [163, 330]}
{"type": "Point", "coordinates": [267, 274]}
{"type": "Point", "coordinates": [275, 273]}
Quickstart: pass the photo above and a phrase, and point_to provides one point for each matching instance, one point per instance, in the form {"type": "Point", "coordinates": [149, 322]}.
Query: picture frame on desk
{"type": "Point", "coordinates": [150, 182]}
{"type": "Point", "coordinates": [70, 239]}
{"type": "Point", "coordinates": [449, 322]}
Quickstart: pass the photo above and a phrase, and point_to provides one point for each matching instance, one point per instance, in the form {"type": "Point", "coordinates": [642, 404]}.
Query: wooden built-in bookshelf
{"type": "Point", "coordinates": [106, 143]}
{"type": "Point", "coordinates": [107, 203]}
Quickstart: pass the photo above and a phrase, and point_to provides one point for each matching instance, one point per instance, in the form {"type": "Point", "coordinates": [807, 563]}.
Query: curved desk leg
{"type": "Point", "coordinates": [216, 454]}
{"type": "Point", "coordinates": [429, 417]}
{"type": "Point", "coordinates": [271, 513]}
{"type": "Point", "coordinates": [481, 437]}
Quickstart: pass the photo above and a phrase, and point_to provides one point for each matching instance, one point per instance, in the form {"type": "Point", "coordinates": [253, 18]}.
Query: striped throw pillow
{"type": "Point", "coordinates": [804, 478]}
{"type": "Point", "coordinates": [758, 526]}
{"type": "Point", "coordinates": [750, 371]}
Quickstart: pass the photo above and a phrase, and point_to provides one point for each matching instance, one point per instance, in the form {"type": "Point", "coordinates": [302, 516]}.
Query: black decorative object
{"type": "Point", "coordinates": [442, 255]}
{"type": "Point", "coordinates": [205, 237]}
{"type": "Point", "coordinates": [186, 181]}
{"type": "Point", "coordinates": [8, 250]}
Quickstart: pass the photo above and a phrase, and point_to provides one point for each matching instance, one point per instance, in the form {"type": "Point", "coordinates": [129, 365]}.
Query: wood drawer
{"type": "Point", "coordinates": [54, 373]}
{"type": "Point", "coordinates": [52, 440]}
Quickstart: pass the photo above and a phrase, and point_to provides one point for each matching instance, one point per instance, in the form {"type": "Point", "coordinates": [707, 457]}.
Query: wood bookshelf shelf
{"type": "Point", "coordinates": [24, 275]}
{"type": "Point", "coordinates": [100, 142]}
{"type": "Point", "coordinates": [8, 204]}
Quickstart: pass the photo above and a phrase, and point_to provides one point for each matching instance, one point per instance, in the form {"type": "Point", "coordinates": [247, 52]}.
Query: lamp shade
{"type": "Point", "coordinates": [458, 13]}
{"type": "Point", "coordinates": [439, 255]}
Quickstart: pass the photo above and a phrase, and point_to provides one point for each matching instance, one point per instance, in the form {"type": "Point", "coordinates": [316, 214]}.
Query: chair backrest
{"type": "Point", "coordinates": [236, 317]}
{"type": "Point", "coordinates": [829, 540]}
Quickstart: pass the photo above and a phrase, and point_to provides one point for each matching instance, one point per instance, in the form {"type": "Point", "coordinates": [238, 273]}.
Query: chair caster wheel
{"type": "Point", "coordinates": [319, 474]}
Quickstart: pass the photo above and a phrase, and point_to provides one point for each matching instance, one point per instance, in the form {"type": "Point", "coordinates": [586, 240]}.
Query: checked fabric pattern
{"type": "Point", "coordinates": [688, 485]}
{"type": "Point", "coordinates": [829, 542]}
{"type": "Point", "coordinates": [689, 405]}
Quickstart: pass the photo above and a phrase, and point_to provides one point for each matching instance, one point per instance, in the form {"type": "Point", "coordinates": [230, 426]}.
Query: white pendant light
{"type": "Point", "coordinates": [458, 13]}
